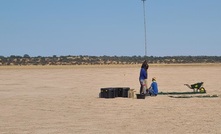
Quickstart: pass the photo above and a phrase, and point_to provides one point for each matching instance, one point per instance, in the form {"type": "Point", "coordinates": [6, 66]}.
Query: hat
{"type": "Point", "coordinates": [154, 79]}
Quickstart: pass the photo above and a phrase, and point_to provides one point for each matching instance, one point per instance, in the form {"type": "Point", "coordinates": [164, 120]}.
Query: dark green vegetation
{"type": "Point", "coordinates": [104, 60]}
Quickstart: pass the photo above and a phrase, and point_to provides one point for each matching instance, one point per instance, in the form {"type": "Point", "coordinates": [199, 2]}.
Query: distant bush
{"type": "Point", "coordinates": [100, 60]}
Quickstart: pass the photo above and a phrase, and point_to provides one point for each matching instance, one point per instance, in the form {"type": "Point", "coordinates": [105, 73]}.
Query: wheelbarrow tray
{"type": "Point", "coordinates": [196, 85]}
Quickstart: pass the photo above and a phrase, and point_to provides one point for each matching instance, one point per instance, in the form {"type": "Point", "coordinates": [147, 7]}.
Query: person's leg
{"type": "Point", "coordinates": [146, 82]}
{"type": "Point", "coordinates": [143, 87]}
{"type": "Point", "coordinates": [151, 92]}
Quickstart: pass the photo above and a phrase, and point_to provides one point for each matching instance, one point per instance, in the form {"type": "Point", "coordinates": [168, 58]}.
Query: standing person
{"type": "Point", "coordinates": [153, 90]}
{"type": "Point", "coordinates": [143, 76]}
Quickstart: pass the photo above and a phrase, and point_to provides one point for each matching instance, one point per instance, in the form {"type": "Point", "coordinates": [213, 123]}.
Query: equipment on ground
{"type": "Point", "coordinates": [197, 87]}
{"type": "Point", "coordinates": [112, 92]}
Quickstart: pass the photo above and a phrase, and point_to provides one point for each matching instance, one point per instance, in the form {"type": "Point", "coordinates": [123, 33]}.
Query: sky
{"type": "Point", "coordinates": [112, 27]}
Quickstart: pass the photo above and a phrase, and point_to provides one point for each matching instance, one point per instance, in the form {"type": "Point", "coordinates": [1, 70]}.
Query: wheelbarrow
{"type": "Point", "coordinates": [197, 87]}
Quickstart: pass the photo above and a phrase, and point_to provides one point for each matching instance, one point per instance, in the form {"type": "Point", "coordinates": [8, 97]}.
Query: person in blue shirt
{"type": "Point", "coordinates": [153, 90]}
{"type": "Point", "coordinates": [143, 77]}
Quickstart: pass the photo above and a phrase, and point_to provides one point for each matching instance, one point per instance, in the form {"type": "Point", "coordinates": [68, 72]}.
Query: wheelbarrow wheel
{"type": "Point", "coordinates": [202, 90]}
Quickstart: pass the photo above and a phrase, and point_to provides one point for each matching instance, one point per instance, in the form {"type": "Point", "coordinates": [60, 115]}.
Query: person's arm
{"type": "Point", "coordinates": [145, 73]}
{"type": "Point", "coordinates": [151, 86]}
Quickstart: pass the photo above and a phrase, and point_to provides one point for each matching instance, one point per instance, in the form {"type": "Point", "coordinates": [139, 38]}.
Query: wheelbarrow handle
{"type": "Point", "coordinates": [188, 86]}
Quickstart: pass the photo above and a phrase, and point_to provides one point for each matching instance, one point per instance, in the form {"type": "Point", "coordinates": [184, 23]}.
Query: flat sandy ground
{"type": "Point", "coordinates": [64, 100]}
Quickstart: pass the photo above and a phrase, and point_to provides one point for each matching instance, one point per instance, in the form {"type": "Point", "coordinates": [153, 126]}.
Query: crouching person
{"type": "Point", "coordinates": [153, 90]}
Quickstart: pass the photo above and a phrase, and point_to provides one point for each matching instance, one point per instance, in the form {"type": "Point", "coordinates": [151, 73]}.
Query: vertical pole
{"type": "Point", "coordinates": [145, 32]}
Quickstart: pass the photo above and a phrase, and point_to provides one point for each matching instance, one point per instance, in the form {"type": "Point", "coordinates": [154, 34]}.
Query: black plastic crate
{"type": "Point", "coordinates": [121, 91]}
{"type": "Point", "coordinates": [107, 93]}
{"type": "Point", "coordinates": [117, 92]}
{"type": "Point", "coordinates": [141, 96]}
{"type": "Point", "coordinates": [125, 92]}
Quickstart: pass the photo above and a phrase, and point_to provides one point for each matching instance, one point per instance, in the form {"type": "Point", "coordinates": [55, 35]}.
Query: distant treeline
{"type": "Point", "coordinates": [103, 60]}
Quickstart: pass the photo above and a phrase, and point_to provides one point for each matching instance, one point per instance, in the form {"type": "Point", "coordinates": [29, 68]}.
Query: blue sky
{"type": "Point", "coordinates": [113, 27]}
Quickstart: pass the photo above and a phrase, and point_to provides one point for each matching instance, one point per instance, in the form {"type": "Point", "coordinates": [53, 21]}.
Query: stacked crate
{"type": "Point", "coordinates": [112, 92]}
{"type": "Point", "coordinates": [107, 93]}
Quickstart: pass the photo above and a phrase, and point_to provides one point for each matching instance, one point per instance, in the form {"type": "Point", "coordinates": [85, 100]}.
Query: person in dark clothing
{"type": "Point", "coordinates": [143, 77]}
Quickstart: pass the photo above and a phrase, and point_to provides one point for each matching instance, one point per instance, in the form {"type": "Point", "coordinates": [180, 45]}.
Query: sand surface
{"type": "Point", "coordinates": [64, 100]}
